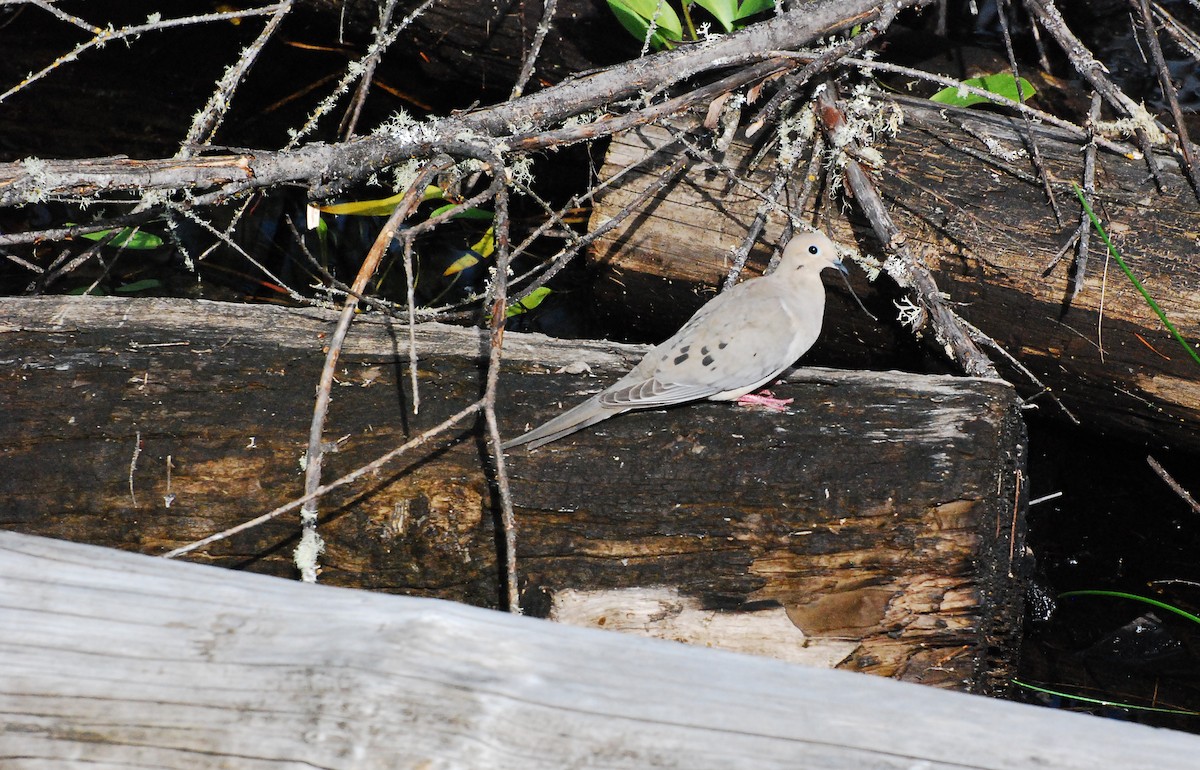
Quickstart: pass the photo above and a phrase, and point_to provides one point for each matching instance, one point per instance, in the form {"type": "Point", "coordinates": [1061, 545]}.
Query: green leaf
{"type": "Point", "coordinates": [471, 213]}
{"type": "Point", "coordinates": [380, 207]}
{"type": "Point", "coordinates": [81, 290]}
{"type": "Point", "coordinates": [529, 303]}
{"type": "Point", "coordinates": [136, 286]}
{"type": "Point", "coordinates": [1002, 84]}
{"type": "Point", "coordinates": [127, 237]}
{"type": "Point", "coordinates": [481, 250]}
{"type": "Point", "coordinates": [461, 264]}
{"type": "Point", "coordinates": [635, 16]}
{"type": "Point", "coordinates": [750, 8]}
{"type": "Point", "coordinates": [724, 11]}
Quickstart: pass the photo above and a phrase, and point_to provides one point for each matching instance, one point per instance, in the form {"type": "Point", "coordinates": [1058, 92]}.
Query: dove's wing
{"type": "Point", "coordinates": [741, 340]}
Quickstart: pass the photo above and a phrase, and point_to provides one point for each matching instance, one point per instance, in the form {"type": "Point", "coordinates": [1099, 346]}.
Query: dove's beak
{"type": "Point", "coordinates": [840, 265]}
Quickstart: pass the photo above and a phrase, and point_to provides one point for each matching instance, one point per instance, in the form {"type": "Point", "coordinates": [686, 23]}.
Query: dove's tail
{"type": "Point", "coordinates": [588, 413]}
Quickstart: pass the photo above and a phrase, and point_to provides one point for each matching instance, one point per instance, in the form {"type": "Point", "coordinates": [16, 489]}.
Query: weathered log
{"type": "Point", "coordinates": [981, 223]}
{"type": "Point", "coordinates": [877, 527]}
{"type": "Point", "coordinates": [126, 661]}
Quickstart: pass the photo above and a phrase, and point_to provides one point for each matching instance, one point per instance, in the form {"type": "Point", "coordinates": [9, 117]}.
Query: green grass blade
{"type": "Point", "coordinates": [1136, 598]}
{"type": "Point", "coordinates": [1102, 702]}
{"type": "Point", "coordinates": [1138, 284]}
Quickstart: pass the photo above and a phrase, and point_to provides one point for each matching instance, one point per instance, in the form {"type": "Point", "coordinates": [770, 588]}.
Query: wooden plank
{"type": "Point", "coordinates": [117, 660]}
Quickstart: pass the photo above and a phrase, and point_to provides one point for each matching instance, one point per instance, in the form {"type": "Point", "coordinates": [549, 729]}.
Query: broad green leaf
{"type": "Point", "coordinates": [751, 7]}
{"type": "Point", "coordinates": [529, 303]}
{"type": "Point", "coordinates": [635, 16]}
{"type": "Point", "coordinates": [143, 285]}
{"type": "Point", "coordinates": [128, 238]}
{"type": "Point", "coordinates": [486, 244]}
{"type": "Point", "coordinates": [724, 11]}
{"type": "Point", "coordinates": [1002, 84]}
{"type": "Point", "coordinates": [380, 207]}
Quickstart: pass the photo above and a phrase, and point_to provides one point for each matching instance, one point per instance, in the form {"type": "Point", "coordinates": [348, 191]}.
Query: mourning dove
{"type": "Point", "coordinates": [736, 343]}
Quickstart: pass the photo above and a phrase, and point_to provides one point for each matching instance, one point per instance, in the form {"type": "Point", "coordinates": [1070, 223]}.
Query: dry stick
{"type": "Point", "coordinates": [541, 140]}
{"type": "Point", "coordinates": [902, 265]}
{"type": "Point", "coordinates": [1035, 154]}
{"type": "Point", "coordinates": [310, 164]}
{"type": "Point", "coordinates": [349, 478]}
{"type": "Point", "coordinates": [560, 261]}
{"type": "Point", "coordinates": [499, 315]}
{"type": "Point", "coordinates": [535, 48]}
{"type": "Point", "coordinates": [793, 82]}
{"type": "Point", "coordinates": [1089, 191]}
{"type": "Point", "coordinates": [367, 65]}
{"type": "Point", "coordinates": [812, 175]}
{"type": "Point", "coordinates": [983, 338]}
{"type": "Point", "coordinates": [208, 120]}
{"type": "Point", "coordinates": [310, 542]}
{"type": "Point", "coordinates": [1082, 235]}
{"type": "Point", "coordinates": [760, 220]}
{"type": "Point", "coordinates": [1168, 89]}
{"type": "Point", "coordinates": [103, 37]}
{"type": "Point", "coordinates": [1044, 117]}
{"type": "Point", "coordinates": [1046, 13]}
{"type": "Point", "coordinates": [1175, 486]}
{"type": "Point", "coordinates": [354, 72]}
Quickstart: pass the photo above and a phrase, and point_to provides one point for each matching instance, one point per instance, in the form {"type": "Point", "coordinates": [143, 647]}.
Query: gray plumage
{"type": "Point", "coordinates": [739, 341]}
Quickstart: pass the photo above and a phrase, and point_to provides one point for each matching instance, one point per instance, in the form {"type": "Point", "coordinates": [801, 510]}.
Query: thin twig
{"type": "Point", "coordinates": [499, 304]}
{"type": "Point", "coordinates": [794, 81]}
{"type": "Point", "coordinates": [208, 120]}
{"type": "Point", "coordinates": [1079, 272]}
{"type": "Point", "coordinates": [349, 478]}
{"type": "Point", "coordinates": [310, 544]}
{"type": "Point", "coordinates": [535, 48]}
{"type": "Point", "coordinates": [1175, 486]}
{"type": "Point", "coordinates": [1035, 154]}
{"type": "Point", "coordinates": [1047, 14]}
{"type": "Point", "coordinates": [1169, 92]}
{"type": "Point", "coordinates": [366, 69]}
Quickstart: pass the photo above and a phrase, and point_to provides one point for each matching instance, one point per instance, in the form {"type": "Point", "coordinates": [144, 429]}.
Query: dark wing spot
{"type": "Point", "coordinates": [685, 349]}
{"type": "Point", "coordinates": [704, 350]}
{"type": "Point", "coordinates": [679, 359]}
{"type": "Point", "coordinates": [707, 361]}
{"type": "Point", "coordinates": [722, 345]}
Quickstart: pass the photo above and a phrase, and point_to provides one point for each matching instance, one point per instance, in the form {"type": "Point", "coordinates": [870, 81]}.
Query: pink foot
{"type": "Point", "coordinates": [765, 399]}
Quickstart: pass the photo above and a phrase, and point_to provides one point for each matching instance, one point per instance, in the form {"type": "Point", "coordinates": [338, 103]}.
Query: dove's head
{"type": "Point", "coordinates": [810, 252]}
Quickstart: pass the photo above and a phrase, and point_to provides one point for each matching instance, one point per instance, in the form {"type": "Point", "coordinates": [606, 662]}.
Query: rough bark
{"type": "Point", "coordinates": [980, 223]}
{"type": "Point", "coordinates": [877, 526]}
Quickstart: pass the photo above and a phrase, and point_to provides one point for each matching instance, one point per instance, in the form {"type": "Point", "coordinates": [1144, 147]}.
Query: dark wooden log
{"type": "Point", "coordinates": [877, 526]}
{"type": "Point", "coordinates": [125, 661]}
{"type": "Point", "coordinates": [981, 223]}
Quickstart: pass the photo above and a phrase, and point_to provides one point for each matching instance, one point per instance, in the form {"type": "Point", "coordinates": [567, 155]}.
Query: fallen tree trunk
{"type": "Point", "coordinates": [878, 526]}
{"type": "Point", "coordinates": [957, 184]}
{"type": "Point", "coordinates": [127, 661]}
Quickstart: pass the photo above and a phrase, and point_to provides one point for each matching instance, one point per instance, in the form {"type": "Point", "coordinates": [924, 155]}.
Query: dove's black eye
{"type": "Point", "coordinates": [813, 250]}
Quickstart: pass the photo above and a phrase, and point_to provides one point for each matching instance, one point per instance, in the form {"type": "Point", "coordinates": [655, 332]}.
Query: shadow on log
{"type": "Point", "coordinates": [877, 526]}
